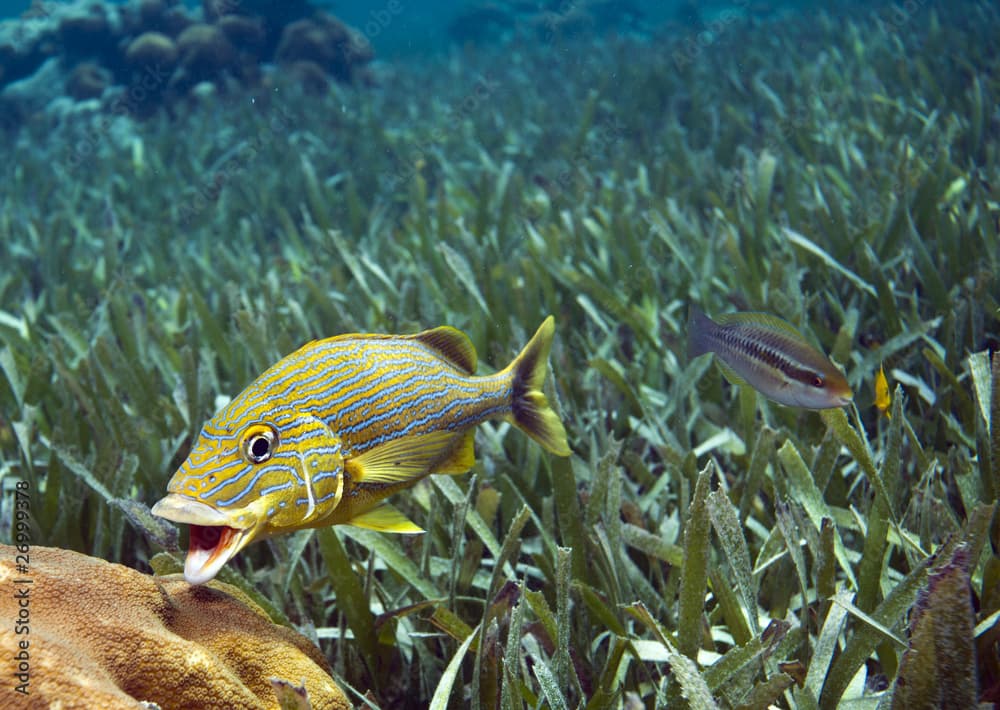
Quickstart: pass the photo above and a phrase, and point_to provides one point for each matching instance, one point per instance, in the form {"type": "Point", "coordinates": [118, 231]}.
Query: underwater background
{"type": "Point", "coordinates": [189, 192]}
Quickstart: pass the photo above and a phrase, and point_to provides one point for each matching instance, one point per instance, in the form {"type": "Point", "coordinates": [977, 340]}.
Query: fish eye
{"type": "Point", "coordinates": [818, 381]}
{"type": "Point", "coordinates": [258, 443]}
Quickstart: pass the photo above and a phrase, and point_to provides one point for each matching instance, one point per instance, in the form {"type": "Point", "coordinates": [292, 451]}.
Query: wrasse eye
{"type": "Point", "coordinates": [258, 442]}
{"type": "Point", "coordinates": [818, 381]}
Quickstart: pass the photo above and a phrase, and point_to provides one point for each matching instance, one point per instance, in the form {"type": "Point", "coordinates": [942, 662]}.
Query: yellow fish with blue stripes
{"type": "Point", "coordinates": [328, 432]}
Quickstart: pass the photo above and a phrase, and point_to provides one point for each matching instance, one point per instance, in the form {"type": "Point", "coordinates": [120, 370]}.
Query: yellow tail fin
{"type": "Point", "coordinates": [530, 408]}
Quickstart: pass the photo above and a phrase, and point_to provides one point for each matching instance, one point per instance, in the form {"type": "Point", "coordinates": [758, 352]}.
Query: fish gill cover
{"type": "Point", "coordinates": [836, 167]}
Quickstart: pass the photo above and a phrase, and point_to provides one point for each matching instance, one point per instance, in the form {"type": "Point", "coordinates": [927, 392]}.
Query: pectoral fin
{"type": "Point", "coordinates": [462, 456]}
{"type": "Point", "coordinates": [412, 457]}
{"type": "Point", "coordinates": [385, 518]}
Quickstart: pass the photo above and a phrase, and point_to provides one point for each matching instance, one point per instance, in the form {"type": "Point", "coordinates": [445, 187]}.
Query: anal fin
{"type": "Point", "coordinates": [385, 518]}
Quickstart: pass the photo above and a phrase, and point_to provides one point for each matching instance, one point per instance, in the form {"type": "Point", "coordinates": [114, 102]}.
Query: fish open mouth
{"type": "Point", "coordinates": [213, 541]}
{"type": "Point", "coordinates": [209, 549]}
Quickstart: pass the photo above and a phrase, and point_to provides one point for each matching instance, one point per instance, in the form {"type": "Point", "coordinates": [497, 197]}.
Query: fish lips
{"type": "Point", "coordinates": [842, 395]}
{"type": "Point", "coordinates": [214, 539]}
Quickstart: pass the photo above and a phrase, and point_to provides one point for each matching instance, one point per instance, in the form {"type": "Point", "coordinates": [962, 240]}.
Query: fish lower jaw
{"type": "Point", "coordinates": [210, 547]}
{"type": "Point", "coordinates": [215, 536]}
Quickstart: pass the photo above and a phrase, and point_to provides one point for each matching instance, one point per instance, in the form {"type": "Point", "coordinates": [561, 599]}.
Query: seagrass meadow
{"type": "Point", "coordinates": [702, 547]}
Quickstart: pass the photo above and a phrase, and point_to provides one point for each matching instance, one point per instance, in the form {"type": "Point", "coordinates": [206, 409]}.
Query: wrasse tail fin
{"type": "Point", "coordinates": [530, 408]}
{"type": "Point", "coordinates": [412, 457]}
{"type": "Point", "coordinates": [385, 518]}
{"type": "Point", "coordinates": [699, 326]}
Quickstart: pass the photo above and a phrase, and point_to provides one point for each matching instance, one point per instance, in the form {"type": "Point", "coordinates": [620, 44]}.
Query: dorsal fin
{"type": "Point", "coordinates": [760, 320]}
{"type": "Point", "coordinates": [451, 344]}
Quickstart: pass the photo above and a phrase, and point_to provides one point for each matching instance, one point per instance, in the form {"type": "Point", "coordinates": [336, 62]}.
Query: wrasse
{"type": "Point", "coordinates": [771, 356]}
{"type": "Point", "coordinates": [883, 400]}
{"type": "Point", "coordinates": [328, 432]}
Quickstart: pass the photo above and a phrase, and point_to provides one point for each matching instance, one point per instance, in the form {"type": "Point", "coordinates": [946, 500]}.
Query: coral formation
{"type": "Point", "coordinates": [88, 80]}
{"type": "Point", "coordinates": [325, 41]}
{"type": "Point", "coordinates": [151, 49]}
{"type": "Point", "coordinates": [225, 43]}
{"type": "Point", "coordinates": [247, 33]}
{"type": "Point", "coordinates": [204, 51]}
{"type": "Point", "coordinates": [104, 635]}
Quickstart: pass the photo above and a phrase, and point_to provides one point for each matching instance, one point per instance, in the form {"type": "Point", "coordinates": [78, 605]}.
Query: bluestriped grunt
{"type": "Point", "coordinates": [771, 356]}
{"type": "Point", "coordinates": [328, 432]}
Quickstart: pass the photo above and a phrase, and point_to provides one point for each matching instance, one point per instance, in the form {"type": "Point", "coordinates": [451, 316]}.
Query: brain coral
{"type": "Point", "coordinates": [106, 636]}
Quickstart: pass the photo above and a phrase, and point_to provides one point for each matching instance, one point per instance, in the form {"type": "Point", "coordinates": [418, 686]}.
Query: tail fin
{"type": "Point", "coordinates": [529, 406]}
{"type": "Point", "coordinates": [698, 327]}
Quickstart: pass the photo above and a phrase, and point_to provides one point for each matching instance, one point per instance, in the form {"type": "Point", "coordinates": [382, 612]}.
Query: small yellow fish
{"type": "Point", "coordinates": [328, 432]}
{"type": "Point", "coordinates": [883, 400]}
{"type": "Point", "coordinates": [771, 356]}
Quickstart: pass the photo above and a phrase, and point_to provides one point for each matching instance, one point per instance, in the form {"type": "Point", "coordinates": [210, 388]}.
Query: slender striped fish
{"type": "Point", "coordinates": [771, 356]}
{"type": "Point", "coordinates": [328, 432]}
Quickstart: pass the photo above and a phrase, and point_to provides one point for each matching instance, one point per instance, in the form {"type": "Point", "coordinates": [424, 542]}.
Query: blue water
{"type": "Point", "coordinates": [407, 27]}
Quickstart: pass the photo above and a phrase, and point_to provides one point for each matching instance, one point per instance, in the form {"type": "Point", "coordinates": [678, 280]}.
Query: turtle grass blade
{"type": "Point", "coordinates": [394, 557]}
{"type": "Point", "coordinates": [694, 573]}
{"type": "Point", "coordinates": [547, 680]}
{"type": "Point", "coordinates": [692, 683]}
{"type": "Point", "coordinates": [351, 599]}
{"type": "Point", "coordinates": [734, 545]}
{"type": "Point", "coordinates": [83, 472]}
{"type": "Point", "coordinates": [446, 686]}
{"type": "Point", "coordinates": [803, 489]}
{"type": "Point", "coordinates": [811, 247]}
{"type": "Point", "coordinates": [986, 385]}
{"type": "Point", "coordinates": [825, 646]}
{"type": "Point", "coordinates": [739, 658]}
{"type": "Point", "coordinates": [157, 530]}
{"type": "Point", "coordinates": [457, 497]}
